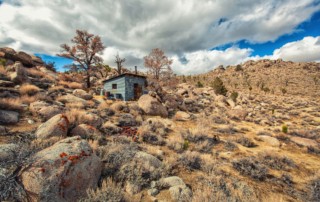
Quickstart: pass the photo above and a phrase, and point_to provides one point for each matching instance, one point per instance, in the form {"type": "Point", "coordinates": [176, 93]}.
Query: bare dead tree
{"type": "Point", "coordinates": [84, 51]}
{"type": "Point", "coordinates": [157, 63]}
{"type": "Point", "coordinates": [119, 62]}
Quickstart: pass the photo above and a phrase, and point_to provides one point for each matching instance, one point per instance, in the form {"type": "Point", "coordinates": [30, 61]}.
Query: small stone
{"type": "Point", "coordinates": [153, 192]}
{"type": "Point", "coordinates": [30, 121]}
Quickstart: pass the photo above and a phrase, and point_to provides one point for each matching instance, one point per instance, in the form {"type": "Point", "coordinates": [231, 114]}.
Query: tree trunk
{"type": "Point", "coordinates": [88, 79]}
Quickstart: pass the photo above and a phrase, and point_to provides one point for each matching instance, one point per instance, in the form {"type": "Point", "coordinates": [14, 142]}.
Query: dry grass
{"type": "Point", "coordinates": [10, 104]}
{"type": "Point", "coordinates": [35, 73]}
{"type": "Point", "coordinates": [56, 89]}
{"type": "Point", "coordinates": [72, 85]}
{"type": "Point", "coordinates": [109, 191]}
{"type": "Point", "coordinates": [25, 99]}
{"type": "Point", "coordinates": [29, 89]}
{"type": "Point", "coordinates": [75, 105]}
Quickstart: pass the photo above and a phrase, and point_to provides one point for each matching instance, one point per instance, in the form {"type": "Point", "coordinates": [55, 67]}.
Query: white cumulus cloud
{"type": "Point", "coordinates": [183, 29]}
{"type": "Point", "coordinates": [307, 49]}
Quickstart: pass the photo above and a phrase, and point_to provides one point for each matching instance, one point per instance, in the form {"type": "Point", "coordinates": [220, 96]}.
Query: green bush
{"type": "Point", "coordinates": [238, 68]}
{"type": "Point", "coordinates": [199, 85]}
{"type": "Point", "coordinates": [285, 129]}
{"type": "Point", "coordinates": [234, 95]}
{"type": "Point", "coordinates": [284, 91]}
{"type": "Point", "coordinates": [3, 61]}
{"type": "Point", "coordinates": [219, 87]}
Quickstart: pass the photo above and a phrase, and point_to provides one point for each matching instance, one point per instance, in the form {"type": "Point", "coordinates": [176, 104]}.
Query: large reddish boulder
{"type": "Point", "coordinates": [62, 172]}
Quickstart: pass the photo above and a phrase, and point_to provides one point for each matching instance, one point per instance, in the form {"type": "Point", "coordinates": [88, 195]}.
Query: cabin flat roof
{"type": "Point", "coordinates": [125, 74]}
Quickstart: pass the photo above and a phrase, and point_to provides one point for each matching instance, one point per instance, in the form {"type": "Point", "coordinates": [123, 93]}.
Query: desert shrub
{"type": "Point", "coordinates": [152, 138]}
{"type": "Point", "coordinates": [249, 166]}
{"type": "Point", "coordinates": [109, 191]}
{"type": "Point", "coordinates": [234, 95]}
{"type": "Point", "coordinates": [284, 129]}
{"type": "Point", "coordinates": [230, 129]}
{"type": "Point", "coordinates": [199, 85]}
{"type": "Point", "coordinates": [221, 187]}
{"type": "Point", "coordinates": [239, 68]}
{"type": "Point", "coordinates": [313, 150]}
{"type": "Point", "coordinates": [195, 134]}
{"type": "Point", "coordinates": [314, 187]}
{"type": "Point", "coordinates": [28, 99]}
{"type": "Point", "coordinates": [278, 163]}
{"type": "Point", "coordinates": [29, 89]}
{"type": "Point", "coordinates": [230, 146]}
{"type": "Point", "coordinates": [177, 143]}
{"type": "Point", "coordinates": [287, 179]}
{"type": "Point", "coordinates": [219, 87]}
{"type": "Point", "coordinates": [190, 160]}
{"type": "Point", "coordinates": [152, 131]}
{"type": "Point", "coordinates": [13, 104]}
{"type": "Point", "coordinates": [79, 116]}
{"type": "Point", "coordinates": [56, 89]}
{"type": "Point", "coordinates": [244, 141]}
{"type": "Point", "coordinates": [284, 91]}
{"type": "Point", "coordinates": [114, 155]}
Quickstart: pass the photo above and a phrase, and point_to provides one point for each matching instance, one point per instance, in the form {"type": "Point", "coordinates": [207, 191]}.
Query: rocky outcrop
{"type": "Point", "coordinates": [57, 126]}
{"type": "Point", "coordinates": [151, 106]}
{"type": "Point", "coordinates": [26, 59]}
{"type": "Point", "coordinates": [9, 117]}
{"type": "Point", "coordinates": [62, 172]}
{"type": "Point", "coordinates": [44, 110]}
{"type": "Point", "coordinates": [19, 75]}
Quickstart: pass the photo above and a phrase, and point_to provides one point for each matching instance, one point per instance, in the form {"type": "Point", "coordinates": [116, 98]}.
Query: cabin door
{"type": "Point", "coordinates": [137, 91]}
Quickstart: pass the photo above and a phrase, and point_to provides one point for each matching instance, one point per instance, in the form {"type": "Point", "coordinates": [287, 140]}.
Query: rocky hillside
{"type": "Point", "coordinates": [61, 142]}
{"type": "Point", "coordinates": [267, 76]}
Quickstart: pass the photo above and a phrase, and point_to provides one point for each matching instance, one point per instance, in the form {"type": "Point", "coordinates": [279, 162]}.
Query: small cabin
{"type": "Point", "coordinates": [125, 87]}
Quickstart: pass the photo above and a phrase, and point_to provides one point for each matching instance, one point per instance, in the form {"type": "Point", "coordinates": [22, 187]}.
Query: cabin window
{"type": "Point", "coordinates": [114, 86]}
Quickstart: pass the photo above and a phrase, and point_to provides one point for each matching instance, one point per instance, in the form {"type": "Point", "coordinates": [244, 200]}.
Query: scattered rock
{"type": "Point", "coordinates": [304, 142]}
{"type": "Point", "coordinates": [153, 192]}
{"type": "Point", "coordinates": [237, 114]}
{"type": "Point", "coordinates": [9, 117]}
{"type": "Point", "coordinates": [6, 83]}
{"type": "Point", "coordinates": [152, 106]}
{"type": "Point", "coordinates": [182, 116]}
{"type": "Point", "coordinates": [82, 94]}
{"type": "Point", "coordinates": [69, 98]}
{"type": "Point", "coordinates": [57, 126]}
{"type": "Point", "coordinates": [171, 181]}
{"type": "Point", "coordinates": [86, 132]}
{"type": "Point", "coordinates": [274, 142]}
{"type": "Point", "coordinates": [150, 161]}
{"type": "Point", "coordinates": [62, 172]}
{"type": "Point", "coordinates": [180, 193]}
{"type": "Point", "coordinates": [49, 111]}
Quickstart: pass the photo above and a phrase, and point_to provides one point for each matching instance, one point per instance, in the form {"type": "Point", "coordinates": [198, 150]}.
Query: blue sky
{"type": "Point", "coordinates": [198, 35]}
